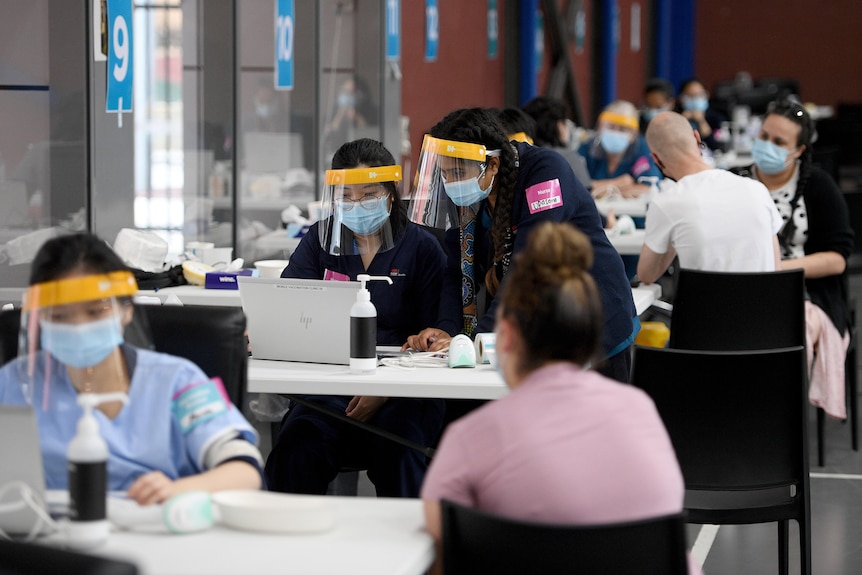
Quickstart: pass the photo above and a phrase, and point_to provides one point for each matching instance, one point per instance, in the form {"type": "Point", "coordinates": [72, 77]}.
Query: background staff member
{"type": "Point", "coordinates": [490, 194]}
{"type": "Point", "coordinates": [618, 156]}
{"type": "Point", "coordinates": [178, 432]}
{"type": "Point", "coordinates": [364, 229]}
{"type": "Point", "coordinates": [816, 236]}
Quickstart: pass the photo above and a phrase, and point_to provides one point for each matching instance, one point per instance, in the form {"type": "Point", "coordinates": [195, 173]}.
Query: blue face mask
{"type": "Point", "coordinates": [769, 158]}
{"type": "Point", "coordinates": [467, 192]}
{"type": "Point", "coordinates": [614, 142]}
{"type": "Point", "coordinates": [650, 113]}
{"type": "Point", "coordinates": [81, 345]}
{"type": "Point", "coordinates": [363, 221]}
{"type": "Point", "coordinates": [696, 104]}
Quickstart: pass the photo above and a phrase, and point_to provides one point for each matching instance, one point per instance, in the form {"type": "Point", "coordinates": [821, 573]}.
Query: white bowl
{"type": "Point", "coordinates": [270, 512]}
{"type": "Point", "coordinates": [270, 268]}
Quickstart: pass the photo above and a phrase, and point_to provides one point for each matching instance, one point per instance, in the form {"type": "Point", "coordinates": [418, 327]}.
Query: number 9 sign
{"type": "Point", "coordinates": [120, 69]}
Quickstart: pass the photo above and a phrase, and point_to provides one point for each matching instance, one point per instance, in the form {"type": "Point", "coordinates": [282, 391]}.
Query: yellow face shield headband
{"type": "Point", "coordinates": [453, 149]}
{"type": "Point", "coordinates": [520, 137]}
{"type": "Point", "coordinates": [79, 289]}
{"type": "Point", "coordinates": [619, 120]}
{"type": "Point", "coordinates": [352, 176]}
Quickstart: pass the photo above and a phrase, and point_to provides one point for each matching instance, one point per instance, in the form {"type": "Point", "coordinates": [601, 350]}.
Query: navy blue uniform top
{"type": "Point", "coordinates": [415, 265]}
{"type": "Point", "coordinates": [574, 205]}
{"type": "Point", "coordinates": [636, 161]}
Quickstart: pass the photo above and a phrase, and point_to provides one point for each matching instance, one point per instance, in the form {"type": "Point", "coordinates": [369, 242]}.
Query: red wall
{"type": "Point", "coordinates": [632, 73]}
{"type": "Point", "coordinates": [462, 76]}
{"type": "Point", "coordinates": [817, 42]}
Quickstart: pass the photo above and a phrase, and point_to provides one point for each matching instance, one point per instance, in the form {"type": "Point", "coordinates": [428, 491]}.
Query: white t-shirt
{"type": "Point", "coordinates": [716, 221]}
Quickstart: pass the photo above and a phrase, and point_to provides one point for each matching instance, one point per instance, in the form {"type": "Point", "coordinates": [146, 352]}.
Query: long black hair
{"type": "Point", "coordinates": [372, 153]}
{"type": "Point", "coordinates": [84, 252]}
{"type": "Point", "coordinates": [547, 112]}
{"type": "Point", "coordinates": [796, 113]}
{"type": "Point", "coordinates": [480, 126]}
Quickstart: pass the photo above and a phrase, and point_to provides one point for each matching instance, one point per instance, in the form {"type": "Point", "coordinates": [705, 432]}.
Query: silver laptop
{"type": "Point", "coordinates": [298, 320]}
{"type": "Point", "coordinates": [22, 461]}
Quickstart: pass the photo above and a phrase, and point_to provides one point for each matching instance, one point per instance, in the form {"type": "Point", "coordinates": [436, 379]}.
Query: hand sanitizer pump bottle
{"type": "Point", "coordinates": [363, 329]}
{"type": "Point", "coordinates": [87, 459]}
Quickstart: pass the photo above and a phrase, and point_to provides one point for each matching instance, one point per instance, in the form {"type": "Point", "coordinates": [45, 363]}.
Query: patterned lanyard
{"type": "Point", "coordinates": [468, 275]}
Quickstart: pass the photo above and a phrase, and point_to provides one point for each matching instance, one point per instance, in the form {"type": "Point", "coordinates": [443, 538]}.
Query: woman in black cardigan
{"type": "Point", "coordinates": [816, 235]}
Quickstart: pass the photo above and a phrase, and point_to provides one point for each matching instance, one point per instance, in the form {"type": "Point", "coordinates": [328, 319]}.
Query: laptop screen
{"type": "Point", "coordinates": [22, 462]}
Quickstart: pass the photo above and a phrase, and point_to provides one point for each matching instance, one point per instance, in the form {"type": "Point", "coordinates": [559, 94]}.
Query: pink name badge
{"type": "Point", "coordinates": [641, 165]}
{"type": "Point", "coordinates": [544, 196]}
{"type": "Point", "coordinates": [330, 275]}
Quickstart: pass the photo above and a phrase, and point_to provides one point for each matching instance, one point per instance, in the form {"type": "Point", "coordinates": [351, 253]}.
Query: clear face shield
{"type": "Point", "coordinates": [450, 177]}
{"type": "Point", "coordinates": [355, 208]}
{"type": "Point", "coordinates": [72, 329]}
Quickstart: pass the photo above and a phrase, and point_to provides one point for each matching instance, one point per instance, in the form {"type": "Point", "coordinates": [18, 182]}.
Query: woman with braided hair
{"type": "Point", "coordinates": [816, 237]}
{"type": "Point", "coordinates": [489, 193]}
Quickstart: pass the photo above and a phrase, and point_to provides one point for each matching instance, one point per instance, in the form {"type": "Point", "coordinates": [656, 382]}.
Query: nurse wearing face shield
{"type": "Point", "coordinates": [618, 157]}
{"type": "Point", "coordinates": [364, 230]}
{"type": "Point", "coordinates": [488, 194]}
{"type": "Point", "coordinates": [177, 432]}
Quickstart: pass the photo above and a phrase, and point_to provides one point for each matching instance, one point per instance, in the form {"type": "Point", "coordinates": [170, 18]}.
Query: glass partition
{"type": "Point", "coordinates": [43, 156]}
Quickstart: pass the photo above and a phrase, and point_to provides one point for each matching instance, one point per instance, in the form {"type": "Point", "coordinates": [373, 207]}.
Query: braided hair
{"type": "Point", "coordinates": [481, 126]}
{"type": "Point", "coordinates": [796, 113]}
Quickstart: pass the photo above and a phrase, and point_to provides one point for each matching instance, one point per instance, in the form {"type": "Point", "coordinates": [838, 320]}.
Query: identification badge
{"type": "Point", "coordinates": [199, 402]}
{"type": "Point", "coordinates": [544, 196]}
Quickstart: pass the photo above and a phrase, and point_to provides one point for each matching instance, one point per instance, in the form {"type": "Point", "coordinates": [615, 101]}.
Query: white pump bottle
{"type": "Point", "coordinates": [363, 328]}
{"type": "Point", "coordinates": [87, 459]}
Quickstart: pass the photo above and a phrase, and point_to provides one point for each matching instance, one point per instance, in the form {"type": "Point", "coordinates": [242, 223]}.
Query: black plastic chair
{"type": "Point", "coordinates": [479, 542]}
{"type": "Point", "coordinates": [722, 311]}
{"type": "Point", "coordinates": [212, 337]}
{"type": "Point", "coordinates": [738, 422]}
{"type": "Point", "coordinates": [32, 559]}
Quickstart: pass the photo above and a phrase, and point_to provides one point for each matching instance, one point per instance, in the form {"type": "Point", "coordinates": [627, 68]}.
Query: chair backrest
{"type": "Point", "coordinates": [212, 337]}
{"type": "Point", "coordinates": [32, 559]}
{"type": "Point", "coordinates": [479, 542]}
{"type": "Point", "coordinates": [724, 311]}
{"type": "Point", "coordinates": [10, 324]}
{"type": "Point", "coordinates": [737, 420]}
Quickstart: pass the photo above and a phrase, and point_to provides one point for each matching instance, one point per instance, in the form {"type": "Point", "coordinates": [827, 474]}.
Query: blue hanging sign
{"type": "Point", "coordinates": [393, 29]}
{"type": "Point", "coordinates": [120, 74]}
{"type": "Point", "coordinates": [493, 29]}
{"type": "Point", "coordinates": [432, 30]}
{"type": "Point", "coordinates": [284, 27]}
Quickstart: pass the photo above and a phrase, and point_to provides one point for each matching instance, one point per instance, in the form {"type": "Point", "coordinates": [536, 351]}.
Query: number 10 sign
{"type": "Point", "coordinates": [120, 49]}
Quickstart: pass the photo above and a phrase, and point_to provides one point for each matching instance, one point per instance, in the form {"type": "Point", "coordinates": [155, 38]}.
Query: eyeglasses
{"type": "Point", "coordinates": [368, 201]}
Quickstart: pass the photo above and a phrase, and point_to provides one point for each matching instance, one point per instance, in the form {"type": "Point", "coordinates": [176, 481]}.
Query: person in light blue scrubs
{"type": "Point", "coordinates": [178, 430]}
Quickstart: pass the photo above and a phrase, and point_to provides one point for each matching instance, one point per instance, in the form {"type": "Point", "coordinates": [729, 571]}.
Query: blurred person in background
{"type": "Point", "coordinates": [617, 156]}
{"type": "Point", "coordinates": [816, 236]}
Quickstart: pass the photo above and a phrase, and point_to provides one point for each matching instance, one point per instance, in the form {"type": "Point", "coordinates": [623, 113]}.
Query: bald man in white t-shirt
{"type": "Point", "coordinates": [712, 219]}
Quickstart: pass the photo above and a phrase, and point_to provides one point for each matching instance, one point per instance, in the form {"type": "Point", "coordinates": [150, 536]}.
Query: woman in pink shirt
{"type": "Point", "coordinates": [567, 445]}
